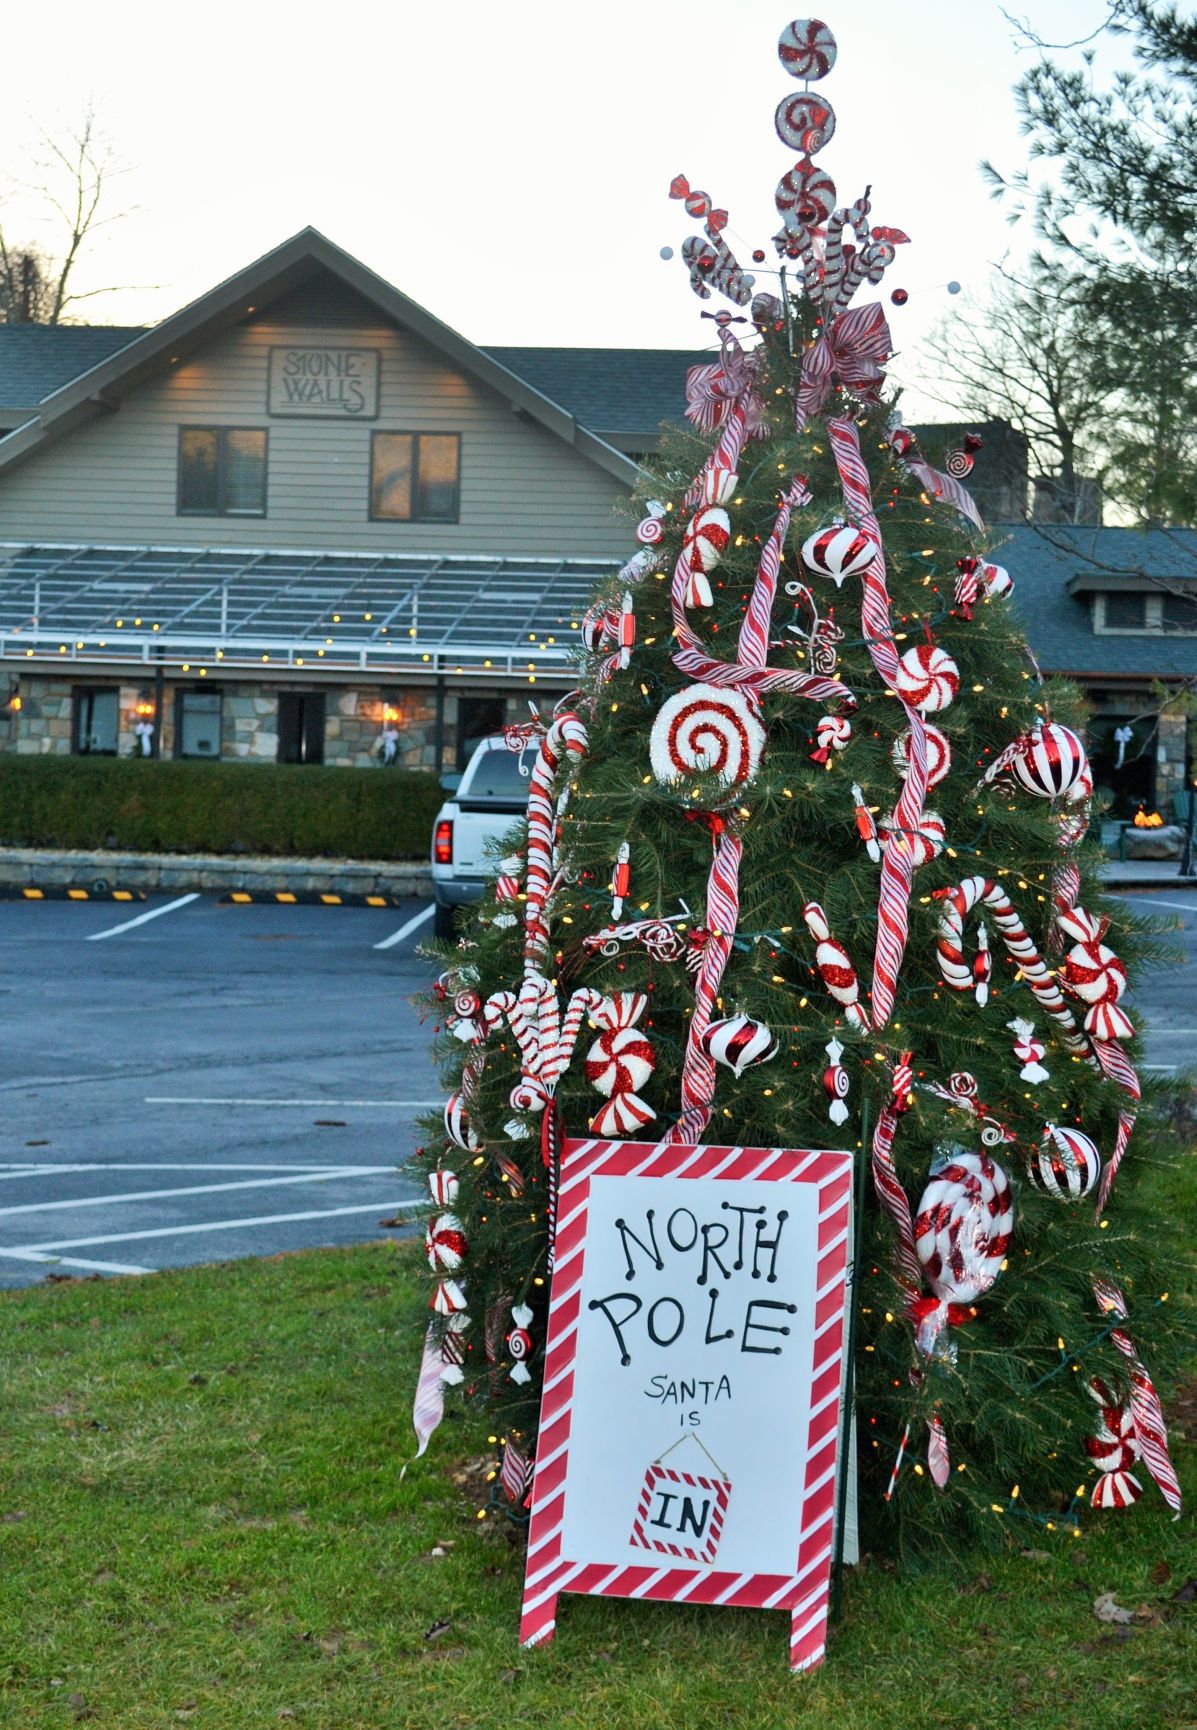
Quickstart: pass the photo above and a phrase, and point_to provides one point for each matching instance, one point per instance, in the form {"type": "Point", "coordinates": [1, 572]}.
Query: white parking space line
{"type": "Point", "coordinates": [143, 918]}
{"type": "Point", "coordinates": [177, 1165]}
{"type": "Point", "coordinates": [210, 1225]}
{"type": "Point", "coordinates": [325, 1175]}
{"type": "Point", "coordinates": [72, 1261]}
{"type": "Point", "coordinates": [308, 1104]}
{"type": "Point", "coordinates": [406, 930]}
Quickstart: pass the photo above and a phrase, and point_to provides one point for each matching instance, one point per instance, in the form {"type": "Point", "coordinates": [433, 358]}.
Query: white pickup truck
{"type": "Point", "coordinates": [482, 805]}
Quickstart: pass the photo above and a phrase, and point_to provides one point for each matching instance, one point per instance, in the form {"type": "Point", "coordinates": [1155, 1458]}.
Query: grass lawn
{"type": "Point", "coordinates": [202, 1522]}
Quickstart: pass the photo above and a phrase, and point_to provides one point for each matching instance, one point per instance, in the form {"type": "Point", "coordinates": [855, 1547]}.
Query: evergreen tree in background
{"type": "Point", "coordinates": [807, 719]}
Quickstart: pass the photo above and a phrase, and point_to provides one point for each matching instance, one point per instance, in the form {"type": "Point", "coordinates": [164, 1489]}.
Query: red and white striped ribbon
{"type": "Point", "coordinates": [895, 1201]}
{"type": "Point", "coordinates": [897, 866]}
{"type": "Point", "coordinates": [1151, 1431]}
{"type": "Point", "coordinates": [723, 912]}
{"type": "Point", "coordinates": [753, 648]}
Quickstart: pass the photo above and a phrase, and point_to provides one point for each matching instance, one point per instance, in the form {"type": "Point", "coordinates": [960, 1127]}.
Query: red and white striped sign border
{"type": "Point", "coordinates": [720, 1490]}
{"type": "Point", "coordinates": [805, 1591]}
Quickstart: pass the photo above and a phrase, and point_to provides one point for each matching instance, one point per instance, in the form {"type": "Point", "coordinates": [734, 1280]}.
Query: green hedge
{"type": "Point", "coordinates": [169, 807]}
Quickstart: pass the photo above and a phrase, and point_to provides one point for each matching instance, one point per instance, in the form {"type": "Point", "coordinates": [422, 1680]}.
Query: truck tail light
{"type": "Point", "coordinates": [442, 842]}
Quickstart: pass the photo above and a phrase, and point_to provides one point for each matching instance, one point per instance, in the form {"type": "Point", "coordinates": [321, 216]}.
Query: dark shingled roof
{"type": "Point", "coordinates": [625, 392]}
{"type": "Point", "coordinates": [1044, 558]}
{"type": "Point", "coordinates": [36, 359]}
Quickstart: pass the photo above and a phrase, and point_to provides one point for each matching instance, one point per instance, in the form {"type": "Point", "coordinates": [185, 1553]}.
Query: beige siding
{"type": "Point", "coordinates": [523, 491]}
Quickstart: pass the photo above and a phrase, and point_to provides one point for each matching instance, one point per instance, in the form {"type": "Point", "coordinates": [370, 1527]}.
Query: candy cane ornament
{"type": "Point", "coordinates": [1151, 1431]}
{"type": "Point", "coordinates": [958, 974]}
{"type": "Point", "coordinates": [564, 741]}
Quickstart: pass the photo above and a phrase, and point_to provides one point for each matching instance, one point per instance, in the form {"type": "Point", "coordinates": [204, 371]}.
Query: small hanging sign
{"type": "Point", "coordinates": [691, 1416]}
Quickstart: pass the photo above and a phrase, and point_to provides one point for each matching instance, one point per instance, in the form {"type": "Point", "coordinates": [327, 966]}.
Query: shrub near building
{"type": "Point", "coordinates": [182, 807]}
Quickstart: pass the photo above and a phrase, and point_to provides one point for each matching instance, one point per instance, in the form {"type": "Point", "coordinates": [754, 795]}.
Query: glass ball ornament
{"type": "Point", "coordinates": [953, 288]}
{"type": "Point", "coordinates": [758, 256]}
{"type": "Point", "coordinates": [667, 253]}
{"type": "Point", "coordinates": [900, 296]}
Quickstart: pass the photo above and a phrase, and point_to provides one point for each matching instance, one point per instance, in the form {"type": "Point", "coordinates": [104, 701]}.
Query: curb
{"type": "Point", "coordinates": [56, 872]}
{"type": "Point", "coordinates": [57, 893]}
{"type": "Point", "coordinates": [305, 898]}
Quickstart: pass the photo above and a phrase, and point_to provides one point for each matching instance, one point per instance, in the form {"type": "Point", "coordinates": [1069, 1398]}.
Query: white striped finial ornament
{"type": "Point", "coordinates": [738, 1042]}
{"type": "Point", "coordinates": [838, 551]}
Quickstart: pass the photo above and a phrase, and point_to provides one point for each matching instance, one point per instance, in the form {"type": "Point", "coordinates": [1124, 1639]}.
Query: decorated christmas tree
{"type": "Point", "coordinates": [805, 866]}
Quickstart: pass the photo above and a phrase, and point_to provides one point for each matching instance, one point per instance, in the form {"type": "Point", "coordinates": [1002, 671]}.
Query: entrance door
{"type": "Point", "coordinates": [301, 727]}
{"type": "Point", "coordinates": [477, 719]}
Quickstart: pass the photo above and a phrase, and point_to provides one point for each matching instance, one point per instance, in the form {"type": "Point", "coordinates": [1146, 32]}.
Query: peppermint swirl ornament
{"type": "Point", "coordinates": [928, 678]}
{"type": "Point", "coordinates": [621, 1060]}
{"type": "Point", "coordinates": [738, 1042]}
{"type": "Point", "coordinates": [1066, 1165]}
{"type": "Point", "coordinates": [939, 754]}
{"type": "Point", "coordinates": [805, 195]}
{"type": "Point", "coordinates": [805, 123]}
{"type": "Point", "coordinates": [706, 730]}
{"type": "Point", "coordinates": [445, 1244]}
{"type": "Point", "coordinates": [649, 530]}
{"type": "Point", "coordinates": [807, 49]}
{"type": "Point", "coordinates": [925, 843]}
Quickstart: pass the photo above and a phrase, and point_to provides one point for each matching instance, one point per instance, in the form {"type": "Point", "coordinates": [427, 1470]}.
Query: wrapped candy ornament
{"type": "Point", "coordinates": [832, 733]}
{"type": "Point", "coordinates": [445, 1244]}
{"type": "Point", "coordinates": [1094, 973]}
{"type": "Point", "coordinates": [962, 1236]}
{"type": "Point", "coordinates": [1113, 1448]}
{"type": "Point", "coordinates": [703, 545]}
{"type": "Point", "coordinates": [927, 842]}
{"type": "Point", "coordinates": [520, 1345]}
{"type": "Point", "coordinates": [836, 1082]}
{"type": "Point", "coordinates": [1028, 1050]}
{"type": "Point", "coordinates": [619, 1064]}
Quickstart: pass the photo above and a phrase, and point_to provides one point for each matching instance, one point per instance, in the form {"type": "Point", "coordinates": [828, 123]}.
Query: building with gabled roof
{"type": "Point", "coordinates": [303, 510]}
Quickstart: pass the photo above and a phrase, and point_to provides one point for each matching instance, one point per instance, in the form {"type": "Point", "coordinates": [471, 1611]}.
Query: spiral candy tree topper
{"type": "Point", "coordinates": [805, 861]}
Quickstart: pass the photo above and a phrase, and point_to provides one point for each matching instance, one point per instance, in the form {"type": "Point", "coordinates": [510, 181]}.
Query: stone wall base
{"type": "Point", "coordinates": [41, 868]}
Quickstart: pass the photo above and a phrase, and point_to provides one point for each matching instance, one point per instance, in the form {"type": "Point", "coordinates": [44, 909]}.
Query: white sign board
{"type": "Point", "coordinates": [316, 383]}
{"type": "Point", "coordinates": [691, 1414]}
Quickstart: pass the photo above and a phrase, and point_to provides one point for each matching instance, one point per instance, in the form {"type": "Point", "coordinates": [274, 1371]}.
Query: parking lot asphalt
{"type": "Point", "coordinates": [206, 1082]}
{"type": "Point", "coordinates": [184, 1082]}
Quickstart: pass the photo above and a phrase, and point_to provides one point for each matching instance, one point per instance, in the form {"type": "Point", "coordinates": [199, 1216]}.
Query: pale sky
{"type": "Point", "coordinates": [508, 167]}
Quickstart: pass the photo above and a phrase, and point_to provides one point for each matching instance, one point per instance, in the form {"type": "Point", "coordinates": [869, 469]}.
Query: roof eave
{"type": "Point", "coordinates": [224, 306]}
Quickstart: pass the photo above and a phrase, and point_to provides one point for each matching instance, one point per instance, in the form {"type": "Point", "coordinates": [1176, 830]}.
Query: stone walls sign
{"type": "Point", "coordinates": [317, 383]}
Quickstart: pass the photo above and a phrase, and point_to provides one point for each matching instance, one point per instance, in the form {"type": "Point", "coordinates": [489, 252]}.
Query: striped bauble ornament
{"type": "Point", "coordinates": [838, 551]}
{"type": "Point", "coordinates": [1050, 761]}
{"type": "Point", "coordinates": [1066, 1165]}
{"type": "Point", "coordinates": [738, 1042]}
